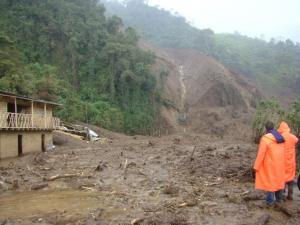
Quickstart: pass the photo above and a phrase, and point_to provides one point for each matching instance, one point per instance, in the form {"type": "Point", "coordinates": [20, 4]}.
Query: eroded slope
{"type": "Point", "coordinates": [202, 95]}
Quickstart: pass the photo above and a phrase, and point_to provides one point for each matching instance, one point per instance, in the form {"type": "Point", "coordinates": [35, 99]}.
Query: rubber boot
{"type": "Point", "coordinates": [279, 196]}
{"type": "Point", "coordinates": [290, 192]}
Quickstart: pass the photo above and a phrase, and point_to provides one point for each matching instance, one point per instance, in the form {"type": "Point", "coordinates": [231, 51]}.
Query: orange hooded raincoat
{"type": "Point", "coordinates": [269, 165]}
{"type": "Point", "coordinates": [289, 151]}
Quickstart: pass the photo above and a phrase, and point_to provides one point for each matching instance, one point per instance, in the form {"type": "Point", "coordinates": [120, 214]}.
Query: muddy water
{"type": "Point", "coordinates": [27, 204]}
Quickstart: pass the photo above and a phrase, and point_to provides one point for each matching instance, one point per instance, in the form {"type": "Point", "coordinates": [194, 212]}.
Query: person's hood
{"type": "Point", "coordinates": [275, 136]}
{"type": "Point", "coordinates": [270, 137]}
{"type": "Point", "coordinates": [284, 127]}
{"type": "Point", "coordinates": [279, 138]}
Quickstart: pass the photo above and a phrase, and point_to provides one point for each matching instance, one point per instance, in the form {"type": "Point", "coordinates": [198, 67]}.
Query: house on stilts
{"type": "Point", "coordinates": [26, 125]}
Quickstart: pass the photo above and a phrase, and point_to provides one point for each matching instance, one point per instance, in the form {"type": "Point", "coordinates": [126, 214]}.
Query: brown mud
{"type": "Point", "coordinates": [173, 180]}
{"type": "Point", "coordinates": [200, 95]}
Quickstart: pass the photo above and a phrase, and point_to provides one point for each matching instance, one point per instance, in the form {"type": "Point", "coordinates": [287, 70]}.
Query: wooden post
{"type": "Point", "coordinates": [16, 111]}
{"type": "Point", "coordinates": [45, 115]}
{"type": "Point", "coordinates": [32, 114]}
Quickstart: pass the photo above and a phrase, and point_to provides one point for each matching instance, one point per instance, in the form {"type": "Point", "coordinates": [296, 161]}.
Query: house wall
{"type": "Point", "coordinates": [3, 106]}
{"type": "Point", "coordinates": [26, 110]}
{"type": "Point", "coordinates": [49, 111]}
{"type": "Point", "coordinates": [32, 142]}
{"type": "Point", "coordinates": [37, 108]}
{"type": "Point", "coordinates": [8, 145]}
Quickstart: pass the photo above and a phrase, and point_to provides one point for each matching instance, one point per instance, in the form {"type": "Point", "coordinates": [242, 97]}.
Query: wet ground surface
{"type": "Point", "coordinates": [173, 180]}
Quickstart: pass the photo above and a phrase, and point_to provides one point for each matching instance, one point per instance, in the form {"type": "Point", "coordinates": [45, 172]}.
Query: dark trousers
{"type": "Point", "coordinates": [290, 187]}
{"type": "Point", "coordinates": [279, 196]}
{"type": "Point", "coordinates": [272, 196]}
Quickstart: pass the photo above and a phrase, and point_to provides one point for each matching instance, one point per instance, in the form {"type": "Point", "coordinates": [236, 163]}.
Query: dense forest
{"type": "Point", "coordinates": [69, 51]}
{"type": "Point", "coordinates": [273, 63]}
{"type": "Point", "coordinates": [77, 53]}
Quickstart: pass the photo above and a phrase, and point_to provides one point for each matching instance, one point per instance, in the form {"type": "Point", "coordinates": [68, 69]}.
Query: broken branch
{"type": "Point", "coordinates": [55, 177]}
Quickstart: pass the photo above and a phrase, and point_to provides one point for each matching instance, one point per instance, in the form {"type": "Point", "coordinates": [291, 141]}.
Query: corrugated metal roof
{"type": "Point", "coordinates": [22, 97]}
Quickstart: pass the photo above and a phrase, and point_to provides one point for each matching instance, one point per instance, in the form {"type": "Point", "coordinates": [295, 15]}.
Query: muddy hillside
{"type": "Point", "coordinates": [203, 96]}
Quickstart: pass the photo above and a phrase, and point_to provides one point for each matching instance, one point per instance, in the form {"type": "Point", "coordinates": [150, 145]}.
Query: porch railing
{"type": "Point", "coordinates": [34, 121]}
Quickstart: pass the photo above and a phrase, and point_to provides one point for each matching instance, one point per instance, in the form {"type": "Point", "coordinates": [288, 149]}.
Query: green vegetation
{"type": "Point", "coordinates": [293, 116]}
{"type": "Point", "coordinates": [69, 51]}
{"type": "Point", "coordinates": [272, 111]}
{"type": "Point", "coordinates": [273, 64]}
{"type": "Point", "coordinates": [268, 110]}
{"type": "Point", "coordinates": [159, 26]}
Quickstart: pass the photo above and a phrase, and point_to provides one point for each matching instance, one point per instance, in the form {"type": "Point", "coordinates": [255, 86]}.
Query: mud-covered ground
{"type": "Point", "coordinates": [139, 180]}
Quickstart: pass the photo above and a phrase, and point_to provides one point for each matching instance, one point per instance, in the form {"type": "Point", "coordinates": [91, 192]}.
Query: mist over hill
{"type": "Point", "coordinates": [273, 65]}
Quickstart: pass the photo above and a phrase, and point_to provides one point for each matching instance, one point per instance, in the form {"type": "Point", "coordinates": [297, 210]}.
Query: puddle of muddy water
{"type": "Point", "coordinates": [28, 204]}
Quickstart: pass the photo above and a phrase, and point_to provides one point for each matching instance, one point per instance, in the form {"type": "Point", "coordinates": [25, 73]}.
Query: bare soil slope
{"type": "Point", "coordinates": [202, 95]}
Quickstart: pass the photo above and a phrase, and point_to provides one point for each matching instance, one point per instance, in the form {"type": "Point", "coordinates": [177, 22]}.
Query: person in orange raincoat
{"type": "Point", "coordinates": [269, 164]}
{"type": "Point", "coordinates": [289, 156]}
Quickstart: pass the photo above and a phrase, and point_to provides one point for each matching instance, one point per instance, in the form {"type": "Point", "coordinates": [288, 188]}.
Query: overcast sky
{"type": "Point", "coordinates": [271, 18]}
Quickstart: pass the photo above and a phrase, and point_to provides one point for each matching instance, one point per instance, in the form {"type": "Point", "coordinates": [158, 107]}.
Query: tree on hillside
{"type": "Point", "coordinates": [267, 110]}
{"type": "Point", "coordinates": [274, 64]}
{"type": "Point", "coordinates": [293, 117]}
{"type": "Point", "coordinates": [71, 52]}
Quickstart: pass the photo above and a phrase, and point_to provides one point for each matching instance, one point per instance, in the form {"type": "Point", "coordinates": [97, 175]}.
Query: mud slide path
{"type": "Point", "coordinates": [182, 115]}
{"type": "Point", "coordinates": [183, 89]}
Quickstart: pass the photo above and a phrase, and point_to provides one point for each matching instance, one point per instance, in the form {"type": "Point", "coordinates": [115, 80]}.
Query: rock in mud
{"type": "Point", "coordinates": [176, 140]}
{"type": "Point", "coordinates": [221, 194]}
{"type": "Point", "coordinates": [15, 184]}
{"type": "Point", "coordinates": [170, 190]}
{"type": "Point", "coordinates": [131, 165]}
{"type": "Point", "coordinates": [151, 144]}
{"type": "Point", "coordinates": [190, 202]}
{"type": "Point", "coordinates": [136, 221]}
{"type": "Point", "coordinates": [253, 196]}
{"type": "Point", "coordinates": [230, 148]}
{"type": "Point", "coordinates": [208, 204]}
{"type": "Point", "coordinates": [101, 166]}
{"type": "Point", "coordinates": [38, 186]}
{"type": "Point", "coordinates": [3, 186]}
{"type": "Point", "coordinates": [210, 149]}
{"type": "Point", "coordinates": [235, 198]}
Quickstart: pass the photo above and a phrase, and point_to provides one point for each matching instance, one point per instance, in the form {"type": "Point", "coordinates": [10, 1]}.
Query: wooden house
{"type": "Point", "coordinates": [26, 125]}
